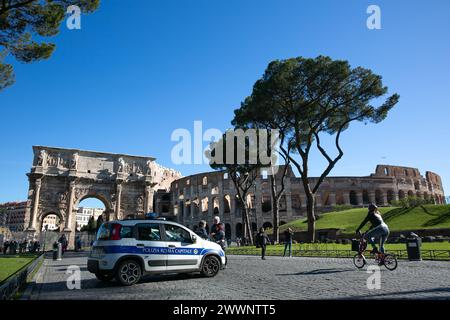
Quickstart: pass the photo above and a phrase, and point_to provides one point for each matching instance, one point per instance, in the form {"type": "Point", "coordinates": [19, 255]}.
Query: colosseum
{"type": "Point", "coordinates": [202, 196]}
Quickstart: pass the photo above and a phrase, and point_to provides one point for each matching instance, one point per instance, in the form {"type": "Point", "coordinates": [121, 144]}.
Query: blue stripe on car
{"type": "Point", "coordinates": [160, 250]}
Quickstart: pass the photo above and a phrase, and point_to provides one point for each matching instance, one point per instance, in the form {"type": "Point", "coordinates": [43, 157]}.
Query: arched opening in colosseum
{"type": "Point", "coordinates": [216, 205]}
{"type": "Point", "coordinates": [390, 196]}
{"type": "Point", "coordinates": [215, 190]}
{"type": "Point", "coordinates": [227, 231]}
{"type": "Point", "coordinates": [267, 225]}
{"type": "Point", "coordinates": [239, 230]}
{"type": "Point", "coordinates": [366, 199]}
{"type": "Point", "coordinates": [379, 197]}
{"type": "Point", "coordinates": [418, 195]}
{"type": "Point", "coordinates": [326, 198]}
{"type": "Point", "coordinates": [266, 203]}
{"type": "Point", "coordinates": [410, 193]}
{"type": "Point", "coordinates": [417, 185]}
{"type": "Point", "coordinates": [254, 227]}
{"type": "Point", "coordinates": [205, 205]}
{"type": "Point", "coordinates": [401, 194]}
{"type": "Point", "coordinates": [188, 210]}
{"type": "Point", "coordinates": [353, 198]}
{"type": "Point", "coordinates": [205, 181]}
{"type": "Point", "coordinates": [196, 206]}
{"type": "Point", "coordinates": [227, 203]}
{"type": "Point", "coordinates": [237, 206]}
{"type": "Point", "coordinates": [225, 176]}
{"type": "Point", "coordinates": [251, 200]}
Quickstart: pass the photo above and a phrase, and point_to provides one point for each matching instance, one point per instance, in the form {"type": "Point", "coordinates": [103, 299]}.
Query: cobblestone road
{"type": "Point", "coordinates": [249, 277]}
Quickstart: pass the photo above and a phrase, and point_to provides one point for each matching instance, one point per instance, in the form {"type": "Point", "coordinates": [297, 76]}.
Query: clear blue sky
{"type": "Point", "coordinates": [140, 69]}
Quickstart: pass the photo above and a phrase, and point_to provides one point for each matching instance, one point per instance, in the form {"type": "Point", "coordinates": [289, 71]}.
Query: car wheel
{"type": "Point", "coordinates": [128, 273]}
{"type": "Point", "coordinates": [211, 266]}
{"type": "Point", "coordinates": [104, 276]}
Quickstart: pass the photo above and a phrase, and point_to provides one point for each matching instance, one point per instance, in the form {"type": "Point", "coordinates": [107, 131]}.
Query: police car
{"type": "Point", "coordinates": [128, 249]}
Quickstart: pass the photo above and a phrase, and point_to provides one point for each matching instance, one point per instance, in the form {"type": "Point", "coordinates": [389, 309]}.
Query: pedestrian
{"type": "Point", "coordinates": [63, 241]}
{"type": "Point", "coordinates": [215, 227]}
{"type": "Point", "coordinates": [288, 235]}
{"type": "Point", "coordinates": [201, 231]}
{"type": "Point", "coordinates": [262, 239]}
{"type": "Point", "coordinates": [219, 236]}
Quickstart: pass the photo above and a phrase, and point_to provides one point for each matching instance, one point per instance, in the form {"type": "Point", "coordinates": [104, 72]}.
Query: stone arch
{"type": "Point", "coordinates": [390, 196]}
{"type": "Point", "coordinates": [353, 198]}
{"type": "Point", "coordinates": [401, 194]}
{"type": "Point", "coordinates": [216, 205]}
{"type": "Point", "coordinates": [227, 203]}
{"type": "Point", "coordinates": [266, 203]}
{"type": "Point", "coordinates": [227, 231]}
{"type": "Point", "coordinates": [239, 230]}
{"type": "Point", "coordinates": [267, 225]}
{"type": "Point", "coordinates": [366, 198]}
{"type": "Point", "coordinates": [254, 227]}
{"type": "Point", "coordinates": [205, 205]}
{"type": "Point", "coordinates": [379, 197]}
{"type": "Point", "coordinates": [410, 193]}
{"type": "Point", "coordinates": [47, 213]}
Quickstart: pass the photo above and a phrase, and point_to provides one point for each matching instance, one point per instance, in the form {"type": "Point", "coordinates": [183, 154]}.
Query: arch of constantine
{"type": "Point", "coordinates": [61, 178]}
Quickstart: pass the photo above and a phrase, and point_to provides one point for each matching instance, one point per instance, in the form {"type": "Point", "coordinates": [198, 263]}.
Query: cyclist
{"type": "Point", "coordinates": [379, 229]}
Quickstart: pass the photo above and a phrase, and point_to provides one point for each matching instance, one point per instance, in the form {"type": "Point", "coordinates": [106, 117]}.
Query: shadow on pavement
{"type": "Point", "coordinates": [317, 272]}
{"type": "Point", "coordinates": [398, 293]}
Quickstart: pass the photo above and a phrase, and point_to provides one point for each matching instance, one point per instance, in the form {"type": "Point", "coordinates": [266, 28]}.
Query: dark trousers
{"type": "Point", "coordinates": [263, 251]}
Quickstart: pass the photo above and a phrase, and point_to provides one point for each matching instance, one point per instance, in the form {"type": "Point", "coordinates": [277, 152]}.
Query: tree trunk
{"type": "Point", "coordinates": [310, 203]}
{"type": "Point", "coordinates": [276, 221]}
{"type": "Point", "coordinates": [247, 230]}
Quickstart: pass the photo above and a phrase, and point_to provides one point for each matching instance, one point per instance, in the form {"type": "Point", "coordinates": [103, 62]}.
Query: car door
{"type": "Point", "coordinates": [151, 246]}
{"type": "Point", "coordinates": [182, 253]}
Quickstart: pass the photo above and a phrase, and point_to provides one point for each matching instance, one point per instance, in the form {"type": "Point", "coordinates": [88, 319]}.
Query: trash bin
{"type": "Point", "coordinates": [413, 247]}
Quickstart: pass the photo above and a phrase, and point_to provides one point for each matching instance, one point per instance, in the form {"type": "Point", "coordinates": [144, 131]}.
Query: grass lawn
{"type": "Point", "coordinates": [332, 246]}
{"type": "Point", "coordinates": [398, 219]}
{"type": "Point", "coordinates": [10, 264]}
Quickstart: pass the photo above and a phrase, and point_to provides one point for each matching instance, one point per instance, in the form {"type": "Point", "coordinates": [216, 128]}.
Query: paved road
{"type": "Point", "coordinates": [249, 277]}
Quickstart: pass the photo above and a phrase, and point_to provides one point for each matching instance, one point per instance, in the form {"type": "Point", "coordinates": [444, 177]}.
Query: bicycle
{"type": "Point", "coordinates": [388, 260]}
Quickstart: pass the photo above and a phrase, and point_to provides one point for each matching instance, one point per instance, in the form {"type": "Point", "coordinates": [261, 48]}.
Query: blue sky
{"type": "Point", "coordinates": [137, 70]}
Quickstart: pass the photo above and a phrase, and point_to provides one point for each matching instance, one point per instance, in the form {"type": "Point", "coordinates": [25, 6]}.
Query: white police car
{"type": "Point", "coordinates": [128, 249]}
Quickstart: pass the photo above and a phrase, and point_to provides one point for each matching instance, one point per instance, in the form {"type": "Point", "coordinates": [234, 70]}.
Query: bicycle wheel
{"type": "Point", "coordinates": [390, 262]}
{"type": "Point", "coordinates": [359, 261]}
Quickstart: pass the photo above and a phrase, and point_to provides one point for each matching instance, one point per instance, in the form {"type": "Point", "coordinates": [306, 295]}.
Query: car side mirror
{"type": "Point", "coordinates": [194, 238]}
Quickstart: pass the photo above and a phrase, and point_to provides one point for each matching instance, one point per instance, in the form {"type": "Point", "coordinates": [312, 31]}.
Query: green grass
{"type": "Point", "coordinates": [398, 219]}
{"type": "Point", "coordinates": [11, 264]}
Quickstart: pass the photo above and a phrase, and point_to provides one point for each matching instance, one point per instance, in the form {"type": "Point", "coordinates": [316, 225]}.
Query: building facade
{"type": "Point", "coordinates": [202, 196]}
{"type": "Point", "coordinates": [13, 216]}
{"type": "Point", "coordinates": [84, 214]}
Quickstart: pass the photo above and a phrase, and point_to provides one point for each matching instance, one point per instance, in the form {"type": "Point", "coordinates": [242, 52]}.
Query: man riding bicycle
{"type": "Point", "coordinates": [378, 230]}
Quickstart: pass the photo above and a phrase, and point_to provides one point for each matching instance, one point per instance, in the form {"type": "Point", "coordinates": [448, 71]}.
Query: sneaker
{"type": "Point", "coordinates": [374, 251]}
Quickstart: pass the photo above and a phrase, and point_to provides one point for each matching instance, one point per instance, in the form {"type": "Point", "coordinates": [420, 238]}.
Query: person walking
{"type": "Point", "coordinates": [219, 236]}
{"type": "Point", "coordinates": [288, 237]}
{"type": "Point", "coordinates": [262, 239]}
{"type": "Point", "coordinates": [215, 227]}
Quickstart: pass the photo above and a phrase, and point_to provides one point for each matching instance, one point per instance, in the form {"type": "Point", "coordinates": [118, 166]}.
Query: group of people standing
{"type": "Point", "coordinates": [15, 247]}
{"type": "Point", "coordinates": [217, 233]}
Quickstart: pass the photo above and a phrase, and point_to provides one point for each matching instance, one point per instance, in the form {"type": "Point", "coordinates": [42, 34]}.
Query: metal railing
{"type": "Point", "coordinates": [441, 255]}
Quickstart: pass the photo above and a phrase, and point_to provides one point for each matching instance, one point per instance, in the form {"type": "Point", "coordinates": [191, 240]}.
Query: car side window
{"type": "Point", "coordinates": [177, 234]}
{"type": "Point", "coordinates": [126, 232]}
{"type": "Point", "coordinates": [149, 232]}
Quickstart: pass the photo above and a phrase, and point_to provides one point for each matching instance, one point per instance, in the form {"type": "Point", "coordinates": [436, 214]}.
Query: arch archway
{"type": "Point", "coordinates": [353, 198]}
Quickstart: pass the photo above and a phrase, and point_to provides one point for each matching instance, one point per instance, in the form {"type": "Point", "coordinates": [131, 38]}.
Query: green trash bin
{"type": "Point", "coordinates": [413, 247]}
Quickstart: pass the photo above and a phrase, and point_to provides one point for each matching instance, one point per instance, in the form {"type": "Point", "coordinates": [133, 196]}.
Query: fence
{"type": "Point", "coordinates": [12, 284]}
{"type": "Point", "coordinates": [297, 251]}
